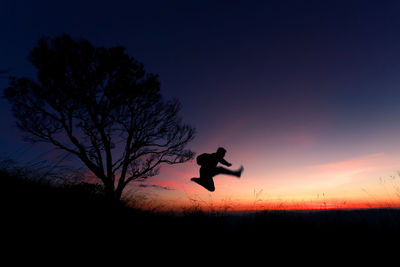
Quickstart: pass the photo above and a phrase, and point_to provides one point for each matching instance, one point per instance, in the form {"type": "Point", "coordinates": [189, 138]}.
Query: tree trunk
{"type": "Point", "coordinates": [109, 192]}
{"type": "Point", "coordinates": [118, 193]}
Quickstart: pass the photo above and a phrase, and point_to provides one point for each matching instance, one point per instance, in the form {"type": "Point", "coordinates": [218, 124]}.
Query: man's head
{"type": "Point", "coordinates": [221, 152]}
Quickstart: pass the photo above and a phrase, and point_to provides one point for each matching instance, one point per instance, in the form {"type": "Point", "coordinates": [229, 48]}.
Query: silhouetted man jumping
{"type": "Point", "coordinates": [209, 169]}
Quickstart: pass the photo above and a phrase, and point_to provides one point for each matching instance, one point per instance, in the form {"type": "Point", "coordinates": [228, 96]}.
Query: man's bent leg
{"type": "Point", "coordinates": [206, 179]}
{"type": "Point", "coordinates": [207, 183]}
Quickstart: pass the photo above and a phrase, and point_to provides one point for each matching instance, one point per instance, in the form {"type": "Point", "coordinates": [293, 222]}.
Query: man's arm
{"type": "Point", "coordinates": [224, 162]}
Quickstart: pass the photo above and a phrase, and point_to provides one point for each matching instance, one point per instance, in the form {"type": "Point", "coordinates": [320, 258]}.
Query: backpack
{"type": "Point", "coordinates": [202, 159]}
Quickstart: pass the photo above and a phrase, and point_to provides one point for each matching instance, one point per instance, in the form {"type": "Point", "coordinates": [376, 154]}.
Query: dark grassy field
{"type": "Point", "coordinates": [71, 219]}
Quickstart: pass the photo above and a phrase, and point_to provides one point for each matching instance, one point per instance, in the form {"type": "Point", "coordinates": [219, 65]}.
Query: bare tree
{"type": "Point", "coordinates": [100, 105]}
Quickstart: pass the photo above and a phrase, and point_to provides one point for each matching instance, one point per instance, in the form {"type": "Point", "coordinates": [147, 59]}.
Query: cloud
{"type": "Point", "coordinates": [351, 172]}
{"type": "Point", "coordinates": [360, 164]}
{"type": "Point", "coordinates": [156, 186]}
{"type": "Point", "coordinates": [355, 170]}
{"type": "Point", "coordinates": [300, 139]}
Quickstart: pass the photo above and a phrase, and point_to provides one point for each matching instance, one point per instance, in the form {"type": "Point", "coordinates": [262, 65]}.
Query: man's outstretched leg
{"type": "Point", "coordinates": [222, 170]}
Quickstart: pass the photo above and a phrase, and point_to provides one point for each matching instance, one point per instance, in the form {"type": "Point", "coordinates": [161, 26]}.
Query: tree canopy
{"type": "Point", "coordinates": [100, 105]}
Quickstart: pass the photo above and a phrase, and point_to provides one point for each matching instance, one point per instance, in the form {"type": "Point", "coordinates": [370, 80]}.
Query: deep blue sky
{"type": "Point", "coordinates": [243, 70]}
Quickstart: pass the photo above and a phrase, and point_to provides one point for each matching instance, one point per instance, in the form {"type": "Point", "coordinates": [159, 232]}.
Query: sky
{"type": "Point", "coordinates": [304, 94]}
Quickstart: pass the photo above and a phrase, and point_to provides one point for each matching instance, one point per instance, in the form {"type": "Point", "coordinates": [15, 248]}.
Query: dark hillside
{"type": "Point", "coordinates": [79, 218]}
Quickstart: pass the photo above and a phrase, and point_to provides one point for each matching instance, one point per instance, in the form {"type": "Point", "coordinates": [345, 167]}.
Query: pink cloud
{"type": "Point", "coordinates": [300, 139]}
{"type": "Point", "coordinates": [359, 164]}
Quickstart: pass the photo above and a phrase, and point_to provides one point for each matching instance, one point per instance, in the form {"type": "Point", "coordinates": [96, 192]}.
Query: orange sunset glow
{"type": "Point", "coordinates": [369, 181]}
